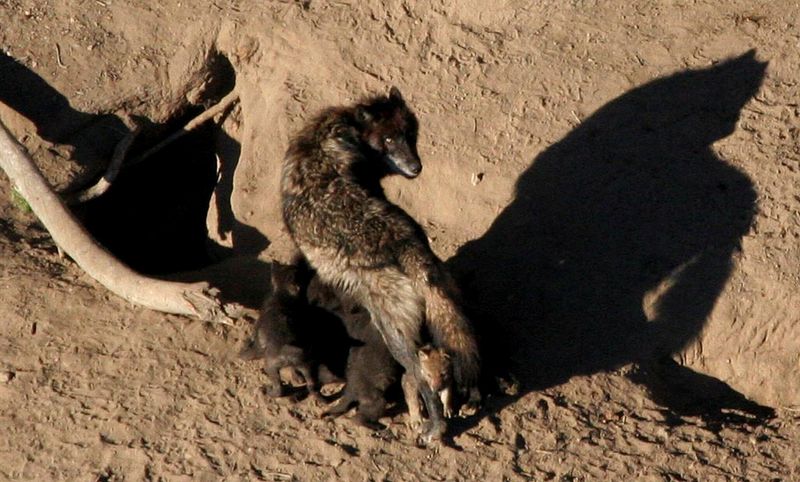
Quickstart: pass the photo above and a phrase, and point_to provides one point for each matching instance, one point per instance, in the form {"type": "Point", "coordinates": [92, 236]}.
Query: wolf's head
{"type": "Point", "coordinates": [389, 128]}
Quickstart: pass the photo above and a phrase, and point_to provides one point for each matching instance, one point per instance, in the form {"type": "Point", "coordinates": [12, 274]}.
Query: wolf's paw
{"type": "Point", "coordinates": [431, 434]}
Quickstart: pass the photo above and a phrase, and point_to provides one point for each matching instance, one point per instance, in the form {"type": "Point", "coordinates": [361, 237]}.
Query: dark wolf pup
{"type": "Point", "coordinates": [371, 370]}
{"type": "Point", "coordinates": [290, 333]}
{"type": "Point", "coordinates": [369, 248]}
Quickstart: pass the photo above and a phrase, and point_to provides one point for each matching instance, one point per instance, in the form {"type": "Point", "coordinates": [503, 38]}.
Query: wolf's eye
{"type": "Point", "coordinates": [388, 140]}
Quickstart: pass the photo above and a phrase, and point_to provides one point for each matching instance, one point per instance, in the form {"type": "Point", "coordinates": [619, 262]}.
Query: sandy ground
{"type": "Point", "coordinates": [614, 184]}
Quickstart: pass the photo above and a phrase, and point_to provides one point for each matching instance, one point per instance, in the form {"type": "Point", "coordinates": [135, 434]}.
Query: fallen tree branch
{"type": "Point", "coordinates": [118, 159]}
{"type": "Point", "coordinates": [102, 185]}
{"type": "Point", "coordinates": [224, 104]}
{"type": "Point", "coordinates": [192, 299]}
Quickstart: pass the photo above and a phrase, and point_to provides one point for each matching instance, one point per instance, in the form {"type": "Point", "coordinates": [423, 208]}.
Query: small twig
{"type": "Point", "coordinates": [203, 117]}
{"type": "Point", "coordinates": [58, 57]}
{"type": "Point", "coordinates": [279, 476]}
{"type": "Point", "coordinates": [102, 185]}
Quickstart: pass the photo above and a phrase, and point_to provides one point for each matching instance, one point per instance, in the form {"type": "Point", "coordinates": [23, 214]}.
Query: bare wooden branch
{"type": "Point", "coordinates": [192, 299]}
{"type": "Point", "coordinates": [120, 152]}
{"type": "Point", "coordinates": [224, 104]}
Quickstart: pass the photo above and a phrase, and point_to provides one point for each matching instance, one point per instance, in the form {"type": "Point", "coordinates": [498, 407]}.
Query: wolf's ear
{"type": "Point", "coordinates": [395, 95]}
{"type": "Point", "coordinates": [362, 115]}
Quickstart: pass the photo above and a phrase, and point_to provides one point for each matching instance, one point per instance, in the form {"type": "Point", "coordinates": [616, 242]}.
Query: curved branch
{"type": "Point", "coordinates": [192, 299]}
{"type": "Point", "coordinates": [102, 185]}
{"type": "Point", "coordinates": [121, 151]}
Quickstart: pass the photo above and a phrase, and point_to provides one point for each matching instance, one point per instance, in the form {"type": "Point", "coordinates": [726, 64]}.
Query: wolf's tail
{"type": "Point", "coordinates": [452, 331]}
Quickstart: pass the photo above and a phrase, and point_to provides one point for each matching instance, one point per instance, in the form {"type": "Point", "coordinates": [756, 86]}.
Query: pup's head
{"type": "Point", "coordinates": [390, 129]}
{"type": "Point", "coordinates": [435, 366]}
{"type": "Point", "coordinates": [322, 295]}
{"type": "Point", "coordinates": [285, 279]}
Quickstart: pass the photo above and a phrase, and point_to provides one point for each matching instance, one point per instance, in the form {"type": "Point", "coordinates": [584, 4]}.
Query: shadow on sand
{"type": "Point", "coordinates": [633, 201]}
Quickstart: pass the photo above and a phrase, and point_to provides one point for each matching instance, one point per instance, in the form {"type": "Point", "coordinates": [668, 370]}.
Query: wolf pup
{"type": "Point", "coordinates": [371, 370]}
{"type": "Point", "coordinates": [289, 333]}
{"type": "Point", "coordinates": [436, 372]}
{"type": "Point", "coordinates": [370, 249]}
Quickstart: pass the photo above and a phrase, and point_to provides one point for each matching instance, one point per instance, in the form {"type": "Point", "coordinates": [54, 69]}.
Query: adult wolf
{"type": "Point", "coordinates": [360, 243]}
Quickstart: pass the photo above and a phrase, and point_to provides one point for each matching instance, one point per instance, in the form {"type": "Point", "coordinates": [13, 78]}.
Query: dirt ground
{"type": "Point", "coordinates": [613, 183]}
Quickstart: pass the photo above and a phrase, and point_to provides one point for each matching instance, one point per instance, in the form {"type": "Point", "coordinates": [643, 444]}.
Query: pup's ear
{"type": "Point", "coordinates": [284, 278]}
{"type": "Point", "coordinates": [277, 273]}
{"type": "Point", "coordinates": [395, 95]}
{"type": "Point", "coordinates": [362, 115]}
{"type": "Point", "coordinates": [425, 351]}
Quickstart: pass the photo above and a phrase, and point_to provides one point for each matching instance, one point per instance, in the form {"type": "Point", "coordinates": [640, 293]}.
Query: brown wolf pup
{"type": "Point", "coordinates": [436, 372]}
{"type": "Point", "coordinates": [369, 248]}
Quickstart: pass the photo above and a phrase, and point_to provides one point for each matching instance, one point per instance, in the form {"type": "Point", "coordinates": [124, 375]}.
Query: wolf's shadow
{"type": "Point", "coordinates": [634, 200]}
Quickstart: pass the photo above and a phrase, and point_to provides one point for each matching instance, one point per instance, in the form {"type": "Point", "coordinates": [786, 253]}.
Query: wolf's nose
{"type": "Point", "coordinates": [415, 169]}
